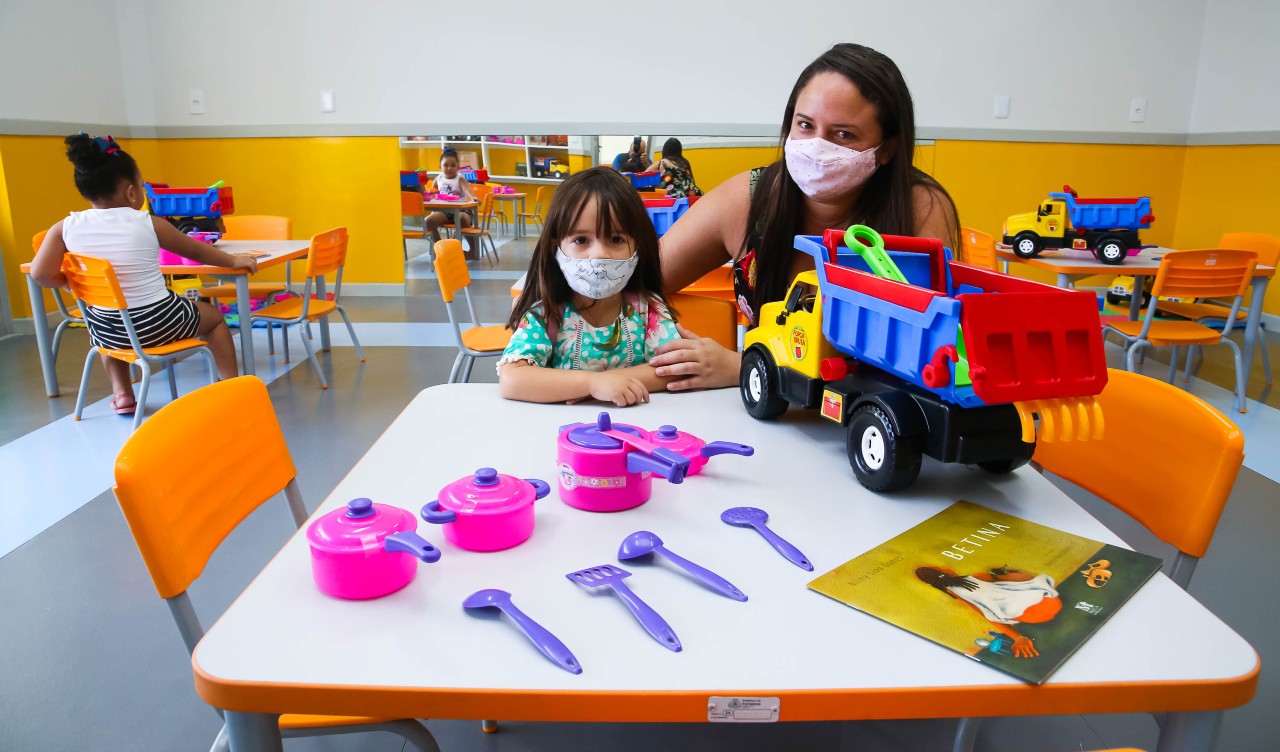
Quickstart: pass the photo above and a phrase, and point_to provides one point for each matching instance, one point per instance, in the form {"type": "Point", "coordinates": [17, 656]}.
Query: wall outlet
{"type": "Point", "coordinates": [328, 103]}
{"type": "Point", "coordinates": [1001, 107]}
{"type": "Point", "coordinates": [1137, 109]}
{"type": "Point", "coordinates": [195, 101]}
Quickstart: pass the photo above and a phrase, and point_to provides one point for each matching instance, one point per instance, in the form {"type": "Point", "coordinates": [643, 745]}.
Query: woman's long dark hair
{"type": "Point", "coordinates": [886, 202]}
{"type": "Point", "coordinates": [619, 210]}
{"type": "Point", "coordinates": [673, 150]}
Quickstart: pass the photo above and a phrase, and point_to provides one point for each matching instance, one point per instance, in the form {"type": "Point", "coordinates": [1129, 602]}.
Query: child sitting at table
{"type": "Point", "coordinates": [450, 182]}
{"type": "Point", "coordinates": [592, 312]}
{"type": "Point", "coordinates": [117, 230]}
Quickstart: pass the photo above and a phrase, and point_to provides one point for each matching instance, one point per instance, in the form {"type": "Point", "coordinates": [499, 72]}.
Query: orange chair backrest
{"type": "Point", "coordinates": [1167, 459]}
{"type": "Point", "coordinates": [37, 240]}
{"type": "Point", "coordinates": [537, 200]}
{"type": "Point", "coordinates": [708, 317]}
{"type": "Point", "coordinates": [978, 248]}
{"type": "Point", "coordinates": [179, 512]}
{"type": "Point", "coordinates": [1266, 246]}
{"type": "Point", "coordinates": [410, 204]}
{"type": "Point", "coordinates": [327, 252]}
{"type": "Point", "coordinates": [257, 227]}
{"type": "Point", "coordinates": [93, 280]}
{"type": "Point", "coordinates": [1204, 274]}
{"type": "Point", "coordinates": [481, 190]}
{"type": "Point", "coordinates": [486, 209]}
{"type": "Point", "coordinates": [451, 268]}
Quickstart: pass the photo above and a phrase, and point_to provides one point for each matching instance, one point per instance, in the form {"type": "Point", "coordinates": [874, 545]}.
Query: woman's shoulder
{"type": "Point", "coordinates": [934, 211]}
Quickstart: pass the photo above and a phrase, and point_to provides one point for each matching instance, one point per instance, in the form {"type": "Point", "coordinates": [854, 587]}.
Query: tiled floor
{"type": "Point", "coordinates": [91, 660]}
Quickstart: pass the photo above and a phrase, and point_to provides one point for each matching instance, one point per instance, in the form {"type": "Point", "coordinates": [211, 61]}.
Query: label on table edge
{"type": "Point", "coordinates": [743, 709]}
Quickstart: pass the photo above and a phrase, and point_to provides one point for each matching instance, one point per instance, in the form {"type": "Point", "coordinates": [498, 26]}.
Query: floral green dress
{"type": "Point", "coordinates": [644, 325]}
{"type": "Point", "coordinates": [678, 181]}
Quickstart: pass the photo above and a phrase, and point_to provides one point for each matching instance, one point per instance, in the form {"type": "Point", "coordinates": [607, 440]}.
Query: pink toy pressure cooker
{"type": "Point", "coordinates": [609, 467]}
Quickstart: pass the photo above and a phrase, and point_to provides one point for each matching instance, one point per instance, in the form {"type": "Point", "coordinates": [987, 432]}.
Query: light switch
{"type": "Point", "coordinates": [195, 101]}
{"type": "Point", "coordinates": [327, 101]}
{"type": "Point", "coordinates": [1137, 109]}
{"type": "Point", "coordinates": [1001, 108]}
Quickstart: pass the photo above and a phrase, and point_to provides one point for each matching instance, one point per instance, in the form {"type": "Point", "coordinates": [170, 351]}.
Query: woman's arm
{"type": "Point", "coordinates": [46, 267]}
{"type": "Point", "coordinates": [521, 380]}
{"type": "Point", "coordinates": [171, 239]}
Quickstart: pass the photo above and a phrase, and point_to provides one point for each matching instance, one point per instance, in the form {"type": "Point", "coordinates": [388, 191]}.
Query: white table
{"type": "Point", "coordinates": [283, 646]}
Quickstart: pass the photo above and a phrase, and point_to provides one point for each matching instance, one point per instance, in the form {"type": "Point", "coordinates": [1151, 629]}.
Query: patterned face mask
{"type": "Point", "coordinates": [597, 278]}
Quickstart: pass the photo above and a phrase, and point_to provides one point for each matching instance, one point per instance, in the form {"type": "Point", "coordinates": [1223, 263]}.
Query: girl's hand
{"type": "Point", "coordinates": [696, 363]}
{"type": "Point", "coordinates": [244, 262]}
{"type": "Point", "coordinates": [619, 388]}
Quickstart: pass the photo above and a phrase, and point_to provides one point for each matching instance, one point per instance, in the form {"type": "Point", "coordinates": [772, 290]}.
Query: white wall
{"type": "Point", "coordinates": [60, 61]}
{"type": "Point", "coordinates": [1237, 88]}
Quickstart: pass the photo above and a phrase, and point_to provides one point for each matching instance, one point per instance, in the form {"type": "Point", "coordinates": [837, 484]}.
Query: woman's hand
{"type": "Point", "coordinates": [696, 363]}
{"type": "Point", "coordinates": [1023, 647]}
{"type": "Point", "coordinates": [618, 387]}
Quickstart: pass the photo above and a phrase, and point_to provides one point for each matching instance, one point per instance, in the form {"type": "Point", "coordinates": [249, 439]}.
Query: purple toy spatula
{"type": "Point", "coordinates": [753, 517]}
{"type": "Point", "coordinates": [608, 574]}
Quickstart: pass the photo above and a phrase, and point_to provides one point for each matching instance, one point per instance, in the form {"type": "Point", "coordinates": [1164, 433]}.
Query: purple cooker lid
{"type": "Point", "coordinates": [590, 436]}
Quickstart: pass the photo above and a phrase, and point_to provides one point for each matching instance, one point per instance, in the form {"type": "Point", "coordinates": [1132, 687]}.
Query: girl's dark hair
{"type": "Point", "coordinates": [448, 152]}
{"type": "Point", "coordinates": [100, 165]}
{"type": "Point", "coordinates": [619, 210]}
{"type": "Point", "coordinates": [886, 202]}
{"type": "Point", "coordinates": [673, 151]}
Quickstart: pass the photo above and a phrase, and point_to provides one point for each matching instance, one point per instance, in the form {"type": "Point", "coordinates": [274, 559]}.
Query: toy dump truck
{"type": "Point", "coordinates": [1108, 226]}
{"type": "Point", "coordinates": [191, 209]}
{"type": "Point", "coordinates": [916, 354]}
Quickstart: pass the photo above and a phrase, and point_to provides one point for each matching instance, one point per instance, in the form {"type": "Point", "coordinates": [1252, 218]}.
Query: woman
{"type": "Point", "coordinates": [677, 173]}
{"type": "Point", "coordinates": [848, 137]}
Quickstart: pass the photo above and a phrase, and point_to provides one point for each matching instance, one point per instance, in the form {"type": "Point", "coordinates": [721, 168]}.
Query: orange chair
{"type": "Point", "coordinates": [499, 212]}
{"type": "Point", "coordinates": [179, 513]}
{"type": "Point", "coordinates": [328, 253]}
{"type": "Point", "coordinates": [481, 233]}
{"type": "Point", "coordinates": [1191, 274]}
{"type": "Point", "coordinates": [536, 214]}
{"type": "Point", "coordinates": [254, 227]}
{"type": "Point", "coordinates": [411, 207]}
{"type": "Point", "coordinates": [978, 248]}
{"type": "Point", "coordinates": [1213, 313]}
{"type": "Point", "coordinates": [69, 315]}
{"type": "Point", "coordinates": [707, 317]}
{"type": "Point", "coordinates": [476, 341]}
{"type": "Point", "coordinates": [93, 282]}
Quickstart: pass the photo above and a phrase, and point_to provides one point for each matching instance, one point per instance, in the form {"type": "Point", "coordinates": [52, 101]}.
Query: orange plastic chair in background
{"type": "Point", "coordinates": [411, 206]}
{"type": "Point", "coordinates": [93, 282]}
{"type": "Point", "coordinates": [69, 315]}
{"type": "Point", "coordinates": [1191, 274]}
{"type": "Point", "coordinates": [978, 248]}
{"type": "Point", "coordinates": [476, 341]}
{"type": "Point", "coordinates": [328, 253]}
{"type": "Point", "coordinates": [708, 317]}
{"type": "Point", "coordinates": [180, 512]}
{"type": "Point", "coordinates": [254, 227]}
{"type": "Point", "coordinates": [536, 214]}
{"type": "Point", "coordinates": [481, 233]}
{"type": "Point", "coordinates": [499, 212]}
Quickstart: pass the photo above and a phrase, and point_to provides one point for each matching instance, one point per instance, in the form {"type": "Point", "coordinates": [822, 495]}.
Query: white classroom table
{"type": "Point", "coordinates": [285, 647]}
{"type": "Point", "coordinates": [278, 252]}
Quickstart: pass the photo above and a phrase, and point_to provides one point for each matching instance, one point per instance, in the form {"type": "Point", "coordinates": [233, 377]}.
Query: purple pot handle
{"type": "Point", "coordinates": [727, 447]}
{"type": "Point", "coordinates": [411, 543]}
{"type": "Point", "coordinates": [435, 515]}
{"type": "Point", "coordinates": [670, 465]}
{"type": "Point", "coordinates": [540, 487]}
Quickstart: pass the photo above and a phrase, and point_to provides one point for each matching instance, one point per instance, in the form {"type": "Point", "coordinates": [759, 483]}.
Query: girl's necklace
{"type": "Point", "coordinates": [615, 337]}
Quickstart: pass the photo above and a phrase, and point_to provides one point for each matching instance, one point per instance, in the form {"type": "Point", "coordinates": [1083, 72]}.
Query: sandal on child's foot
{"type": "Point", "coordinates": [123, 409]}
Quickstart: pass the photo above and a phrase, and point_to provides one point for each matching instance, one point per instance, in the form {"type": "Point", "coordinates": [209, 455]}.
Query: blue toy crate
{"type": "Point", "coordinates": [641, 180]}
{"type": "Point", "coordinates": [665, 216]}
{"type": "Point", "coordinates": [188, 202]}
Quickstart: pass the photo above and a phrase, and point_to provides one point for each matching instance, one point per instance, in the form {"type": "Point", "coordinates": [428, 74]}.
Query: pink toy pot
{"type": "Point", "coordinates": [697, 450]}
{"type": "Point", "coordinates": [608, 467]}
{"type": "Point", "coordinates": [486, 511]}
{"type": "Point", "coordinates": [366, 550]}
{"type": "Point", "coordinates": [169, 258]}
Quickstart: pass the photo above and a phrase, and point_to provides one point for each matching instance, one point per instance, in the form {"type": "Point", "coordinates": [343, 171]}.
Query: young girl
{"type": "Point", "coordinates": [593, 311]}
{"type": "Point", "coordinates": [117, 230]}
{"type": "Point", "coordinates": [449, 181]}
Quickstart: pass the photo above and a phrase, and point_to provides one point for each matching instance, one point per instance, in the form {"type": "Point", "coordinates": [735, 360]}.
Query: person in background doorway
{"type": "Point", "coordinates": [635, 159]}
{"type": "Point", "coordinates": [677, 174]}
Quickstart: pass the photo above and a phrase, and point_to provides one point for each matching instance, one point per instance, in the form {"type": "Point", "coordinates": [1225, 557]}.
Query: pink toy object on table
{"type": "Point", "coordinates": [169, 258]}
{"type": "Point", "coordinates": [504, 190]}
{"type": "Point", "coordinates": [447, 197]}
{"type": "Point", "coordinates": [486, 511]}
{"type": "Point", "coordinates": [366, 550]}
{"type": "Point", "coordinates": [695, 448]}
{"type": "Point", "coordinates": [206, 236]}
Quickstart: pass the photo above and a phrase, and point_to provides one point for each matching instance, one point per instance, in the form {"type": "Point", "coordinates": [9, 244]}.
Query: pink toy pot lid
{"type": "Point", "coordinates": [359, 525]}
{"type": "Point", "coordinates": [489, 492]}
{"type": "Point", "coordinates": [591, 436]}
{"type": "Point", "coordinates": [679, 441]}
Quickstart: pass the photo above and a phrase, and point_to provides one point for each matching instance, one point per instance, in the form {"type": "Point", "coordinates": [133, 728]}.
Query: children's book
{"type": "Point", "coordinates": [1017, 596]}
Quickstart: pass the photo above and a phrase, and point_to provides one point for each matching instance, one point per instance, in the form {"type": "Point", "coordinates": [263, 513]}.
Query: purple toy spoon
{"type": "Point", "coordinates": [642, 543]}
{"type": "Point", "coordinates": [546, 642]}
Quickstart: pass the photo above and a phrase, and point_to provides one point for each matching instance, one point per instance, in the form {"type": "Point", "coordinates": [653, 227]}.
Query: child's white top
{"type": "Point", "coordinates": [449, 185]}
{"type": "Point", "coordinates": [127, 239]}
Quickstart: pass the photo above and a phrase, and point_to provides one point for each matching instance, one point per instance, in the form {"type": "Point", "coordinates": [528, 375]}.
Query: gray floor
{"type": "Point", "coordinates": [91, 660]}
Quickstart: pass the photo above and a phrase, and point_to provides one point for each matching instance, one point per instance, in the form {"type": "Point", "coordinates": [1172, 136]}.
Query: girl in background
{"type": "Point", "coordinates": [449, 181]}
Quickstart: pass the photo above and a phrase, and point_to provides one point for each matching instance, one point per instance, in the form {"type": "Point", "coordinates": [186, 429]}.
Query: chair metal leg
{"type": "Point", "coordinates": [284, 339]}
{"type": "Point", "coordinates": [221, 742]}
{"type": "Point", "coordinates": [457, 366]}
{"type": "Point", "coordinates": [297, 508]}
{"type": "Point", "coordinates": [1173, 362]}
{"type": "Point", "coordinates": [173, 379]}
{"type": "Point", "coordinates": [352, 331]}
{"type": "Point", "coordinates": [1262, 346]}
{"type": "Point", "coordinates": [141, 409]}
{"type": "Point", "coordinates": [966, 735]}
{"type": "Point", "coordinates": [84, 381]}
{"type": "Point", "coordinates": [311, 354]}
{"type": "Point", "coordinates": [62, 327]}
{"type": "Point", "coordinates": [489, 727]}
{"type": "Point", "coordinates": [1192, 352]}
{"type": "Point", "coordinates": [211, 363]}
{"type": "Point", "coordinates": [466, 368]}
{"type": "Point", "coordinates": [271, 339]}
{"type": "Point", "coordinates": [1240, 376]}
{"type": "Point", "coordinates": [418, 736]}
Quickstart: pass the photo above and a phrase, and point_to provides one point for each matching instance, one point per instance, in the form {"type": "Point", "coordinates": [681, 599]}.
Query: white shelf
{"type": "Point", "coordinates": [547, 146]}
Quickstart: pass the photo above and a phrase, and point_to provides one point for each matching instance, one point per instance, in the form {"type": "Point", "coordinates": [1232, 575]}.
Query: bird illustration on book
{"type": "Point", "coordinates": [1004, 596]}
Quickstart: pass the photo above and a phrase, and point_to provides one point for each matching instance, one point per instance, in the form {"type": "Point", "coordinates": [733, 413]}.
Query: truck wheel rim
{"type": "Point", "coordinates": [872, 447]}
{"type": "Point", "coordinates": [753, 385]}
{"type": "Point", "coordinates": [1026, 246]}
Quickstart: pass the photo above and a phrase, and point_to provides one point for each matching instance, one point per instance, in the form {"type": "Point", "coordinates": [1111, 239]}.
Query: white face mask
{"type": "Point", "coordinates": [597, 278]}
{"type": "Point", "coordinates": [826, 171]}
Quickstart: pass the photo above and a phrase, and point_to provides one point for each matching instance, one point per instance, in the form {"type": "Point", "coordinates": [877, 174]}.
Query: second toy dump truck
{"type": "Point", "coordinates": [1108, 226]}
{"type": "Point", "coordinates": [954, 361]}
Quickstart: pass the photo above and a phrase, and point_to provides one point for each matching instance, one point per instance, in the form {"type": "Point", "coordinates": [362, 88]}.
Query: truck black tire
{"type": "Point", "coordinates": [1027, 245]}
{"type": "Point", "coordinates": [758, 380]}
{"type": "Point", "coordinates": [557, 174]}
{"type": "Point", "coordinates": [881, 459]}
{"type": "Point", "coordinates": [1111, 250]}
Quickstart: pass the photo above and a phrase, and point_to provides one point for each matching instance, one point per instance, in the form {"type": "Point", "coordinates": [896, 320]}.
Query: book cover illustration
{"type": "Point", "coordinates": [1015, 595]}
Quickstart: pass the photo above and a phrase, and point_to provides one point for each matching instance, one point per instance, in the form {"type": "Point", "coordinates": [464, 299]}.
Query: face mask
{"type": "Point", "coordinates": [824, 170]}
{"type": "Point", "coordinates": [597, 278]}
